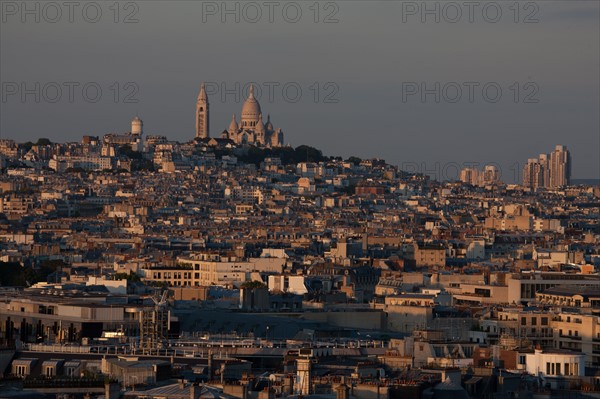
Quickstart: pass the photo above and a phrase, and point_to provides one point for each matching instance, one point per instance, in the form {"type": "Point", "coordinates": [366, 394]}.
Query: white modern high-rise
{"type": "Point", "coordinates": [545, 165]}
{"type": "Point", "coordinates": [533, 175]}
{"type": "Point", "coordinates": [552, 171]}
{"type": "Point", "coordinates": [491, 175]}
{"type": "Point", "coordinates": [560, 167]}
{"type": "Point", "coordinates": [469, 176]}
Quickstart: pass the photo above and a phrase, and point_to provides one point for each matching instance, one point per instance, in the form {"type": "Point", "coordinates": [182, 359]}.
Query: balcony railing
{"type": "Point", "coordinates": [576, 338]}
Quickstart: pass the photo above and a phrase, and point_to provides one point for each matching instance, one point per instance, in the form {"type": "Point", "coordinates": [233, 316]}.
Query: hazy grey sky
{"type": "Point", "coordinates": [376, 53]}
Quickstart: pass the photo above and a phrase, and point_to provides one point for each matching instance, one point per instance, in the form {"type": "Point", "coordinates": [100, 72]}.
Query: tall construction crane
{"type": "Point", "coordinates": [154, 323]}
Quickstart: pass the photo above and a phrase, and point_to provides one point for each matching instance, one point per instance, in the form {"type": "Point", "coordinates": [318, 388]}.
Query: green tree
{"type": "Point", "coordinates": [305, 153]}
{"type": "Point", "coordinates": [27, 145]}
{"type": "Point", "coordinates": [12, 274]}
{"type": "Point", "coordinates": [43, 141]}
{"type": "Point", "coordinates": [255, 155]}
{"type": "Point", "coordinates": [354, 160]}
{"type": "Point", "coordinates": [141, 165]}
{"type": "Point", "coordinates": [251, 285]}
{"type": "Point", "coordinates": [127, 151]}
{"type": "Point", "coordinates": [133, 277]}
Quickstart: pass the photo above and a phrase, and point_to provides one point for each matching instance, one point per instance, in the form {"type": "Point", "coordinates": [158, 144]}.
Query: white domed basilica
{"type": "Point", "coordinates": [251, 129]}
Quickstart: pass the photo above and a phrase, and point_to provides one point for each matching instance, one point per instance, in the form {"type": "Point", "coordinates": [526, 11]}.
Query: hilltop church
{"type": "Point", "coordinates": [250, 130]}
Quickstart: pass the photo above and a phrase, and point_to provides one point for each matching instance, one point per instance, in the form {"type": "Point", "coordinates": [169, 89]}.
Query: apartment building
{"type": "Point", "coordinates": [533, 326]}
{"type": "Point", "coordinates": [430, 255]}
{"type": "Point", "coordinates": [578, 333]}
{"type": "Point", "coordinates": [212, 269]}
{"type": "Point", "coordinates": [554, 367]}
{"type": "Point", "coordinates": [85, 162]}
{"type": "Point", "coordinates": [56, 316]}
{"type": "Point", "coordinates": [523, 287]}
{"type": "Point", "coordinates": [584, 298]}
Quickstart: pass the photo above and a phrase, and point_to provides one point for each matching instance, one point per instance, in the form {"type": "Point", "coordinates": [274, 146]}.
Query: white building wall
{"type": "Point", "coordinates": [554, 364]}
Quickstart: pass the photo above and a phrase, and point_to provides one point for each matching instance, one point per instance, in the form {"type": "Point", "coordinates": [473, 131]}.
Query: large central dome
{"type": "Point", "coordinates": [250, 110]}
